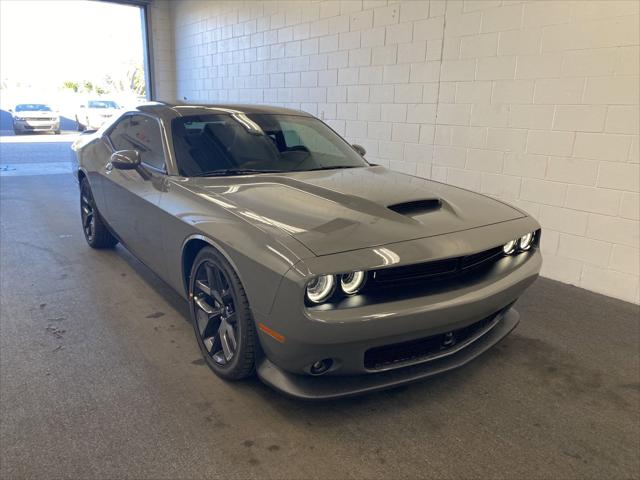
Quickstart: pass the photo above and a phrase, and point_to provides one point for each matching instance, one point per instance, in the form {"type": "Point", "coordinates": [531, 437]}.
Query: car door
{"type": "Point", "coordinates": [132, 197]}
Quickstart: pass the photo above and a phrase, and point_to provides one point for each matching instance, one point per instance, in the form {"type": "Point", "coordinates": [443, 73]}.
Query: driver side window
{"type": "Point", "coordinates": [141, 133]}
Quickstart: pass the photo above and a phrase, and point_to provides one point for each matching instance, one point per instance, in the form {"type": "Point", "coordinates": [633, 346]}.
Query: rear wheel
{"type": "Point", "coordinates": [95, 231]}
{"type": "Point", "coordinates": [221, 316]}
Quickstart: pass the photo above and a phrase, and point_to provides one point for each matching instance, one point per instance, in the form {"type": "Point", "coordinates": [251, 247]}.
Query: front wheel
{"type": "Point", "coordinates": [95, 231]}
{"type": "Point", "coordinates": [221, 316]}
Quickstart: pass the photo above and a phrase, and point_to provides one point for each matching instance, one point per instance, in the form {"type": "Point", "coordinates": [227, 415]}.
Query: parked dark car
{"type": "Point", "coordinates": [301, 261]}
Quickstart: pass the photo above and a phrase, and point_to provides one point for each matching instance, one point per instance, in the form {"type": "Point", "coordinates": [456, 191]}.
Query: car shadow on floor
{"type": "Point", "coordinates": [162, 288]}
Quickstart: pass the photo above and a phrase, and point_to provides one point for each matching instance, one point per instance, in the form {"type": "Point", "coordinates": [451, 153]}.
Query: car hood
{"type": "Point", "coordinates": [335, 211]}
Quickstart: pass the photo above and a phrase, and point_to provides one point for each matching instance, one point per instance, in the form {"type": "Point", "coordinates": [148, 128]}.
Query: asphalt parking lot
{"type": "Point", "coordinates": [100, 375]}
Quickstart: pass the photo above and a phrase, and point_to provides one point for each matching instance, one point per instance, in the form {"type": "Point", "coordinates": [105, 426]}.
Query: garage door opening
{"type": "Point", "coordinates": [67, 66]}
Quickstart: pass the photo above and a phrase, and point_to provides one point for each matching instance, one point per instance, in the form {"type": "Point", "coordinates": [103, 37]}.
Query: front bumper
{"type": "Point", "coordinates": [35, 126]}
{"type": "Point", "coordinates": [346, 334]}
{"type": "Point", "coordinates": [357, 334]}
{"type": "Point", "coordinates": [330, 387]}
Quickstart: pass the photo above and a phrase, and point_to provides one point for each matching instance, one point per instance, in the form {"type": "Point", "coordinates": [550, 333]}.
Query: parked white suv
{"type": "Point", "coordinates": [93, 113]}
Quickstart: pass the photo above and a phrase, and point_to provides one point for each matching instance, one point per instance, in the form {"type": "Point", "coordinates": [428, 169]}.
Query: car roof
{"type": "Point", "coordinates": [163, 109]}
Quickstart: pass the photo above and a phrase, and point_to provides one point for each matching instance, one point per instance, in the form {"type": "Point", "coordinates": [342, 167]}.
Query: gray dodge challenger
{"type": "Point", "coordinates": [326, 275]}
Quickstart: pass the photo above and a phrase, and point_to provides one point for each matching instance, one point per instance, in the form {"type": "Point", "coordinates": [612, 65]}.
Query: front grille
{"type": "Point", "coordinates": [39, 119]}
{"type": "Point", "coordinates": [415, 351]}
{"type": "Point", "coordinates": [439, 268]}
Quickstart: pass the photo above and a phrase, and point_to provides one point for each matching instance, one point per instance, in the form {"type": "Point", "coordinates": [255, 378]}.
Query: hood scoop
{"type": "Point", "coordinates": [416, 207]}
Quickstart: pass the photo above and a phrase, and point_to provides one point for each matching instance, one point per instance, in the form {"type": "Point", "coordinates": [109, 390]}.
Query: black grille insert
{"type": "Point", "coordinates": [449, 267]}
{"type": "Point", "coordinates": [414, 351]}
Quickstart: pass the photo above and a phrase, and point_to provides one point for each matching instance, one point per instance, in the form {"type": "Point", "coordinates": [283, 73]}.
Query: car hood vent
{"type": "Point", "coordinates": [416, 207]}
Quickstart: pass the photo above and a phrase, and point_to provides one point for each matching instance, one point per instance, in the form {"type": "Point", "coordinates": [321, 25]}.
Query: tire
{"type": "Point", "coordinates": [211, 319]}
{"type": "Point", "coordinates": [95, 231]}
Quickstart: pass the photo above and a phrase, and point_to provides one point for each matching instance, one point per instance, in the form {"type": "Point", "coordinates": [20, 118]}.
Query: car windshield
{"type": "Point", "coordinates": [32, 107]}
{"type": "Point", "coordinates": [102, 104]}
{"type": "Point", "coordinates": [238, 143]}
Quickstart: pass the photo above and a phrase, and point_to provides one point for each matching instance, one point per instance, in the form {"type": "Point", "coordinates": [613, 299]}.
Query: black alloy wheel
{"type": "Point", "coordinates": [88, 215]}
{"type": "Point", "coordinates": [221, 317]}
{"type": "Point", "coordinates": [95, 231]}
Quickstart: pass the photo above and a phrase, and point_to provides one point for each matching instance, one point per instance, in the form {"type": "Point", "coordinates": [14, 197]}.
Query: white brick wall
{"type": "Point", "coordinates": [162, 49]}
{"type": "Point", "coordinates": [535, 102]}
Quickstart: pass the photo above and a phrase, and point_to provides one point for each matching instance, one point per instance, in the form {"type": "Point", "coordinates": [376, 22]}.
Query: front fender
{"type": "Point", "coordinates": [259, 259]}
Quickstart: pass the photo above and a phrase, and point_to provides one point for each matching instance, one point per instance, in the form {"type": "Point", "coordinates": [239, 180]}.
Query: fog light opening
{"type": "Point", "coordinates": [321, 366]}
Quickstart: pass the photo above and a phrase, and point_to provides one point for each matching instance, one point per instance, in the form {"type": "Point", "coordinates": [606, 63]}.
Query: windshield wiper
{"type": "Point", "coordinates": [331, 168]}
{"type": "Point", "coordinates": [227, 172]}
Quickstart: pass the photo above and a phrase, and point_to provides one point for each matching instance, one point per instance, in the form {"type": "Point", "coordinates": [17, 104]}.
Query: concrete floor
{"type": "Point", "coordinates": [100, 377]}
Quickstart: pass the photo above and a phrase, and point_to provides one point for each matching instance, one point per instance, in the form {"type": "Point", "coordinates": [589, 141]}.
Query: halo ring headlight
{"type": "Point", "coordinates": [321, 288]}
{"type": "Point", "coordinates": [510, 247]}
{"type": "Point", "coordinates": [525, 242]}
{"type": "Point", "coordinates": [352, 282]}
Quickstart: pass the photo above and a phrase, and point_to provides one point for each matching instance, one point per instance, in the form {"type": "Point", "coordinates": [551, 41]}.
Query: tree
{"type": "Point", "coordinates": [87, 86]}
{"type": "Point", "coordinates": [136, 80]}
{"type": "Point", "coordinates": [69, 85]}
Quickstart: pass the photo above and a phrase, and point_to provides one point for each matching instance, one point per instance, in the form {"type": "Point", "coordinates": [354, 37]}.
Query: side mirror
{"type": "Point", "coordinates": [125, 159]}
{"type": "Point", "coordinates": [360, 149]}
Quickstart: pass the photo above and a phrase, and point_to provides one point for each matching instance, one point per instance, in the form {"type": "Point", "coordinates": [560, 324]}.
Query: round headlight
{"type": "Point", "coordinates": [509, 247]}
{"type": "Point", "coordinates": [352, 282]}
{"type": "Point", "coordinates": [526, 241]}
{"type": "Point", "coordinates": [320, 288]}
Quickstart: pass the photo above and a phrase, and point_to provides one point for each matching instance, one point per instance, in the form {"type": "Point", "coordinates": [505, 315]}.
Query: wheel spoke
{"type": "Point", "coordinates": [219, 279]}
{"type": "Point", "coordinates": [205, 316]}
{"type": "Point", "coordinates": [204, 306]}
{"type": "Point", "coordinates": [224, 340]}
{"type": "Point", "coordinates": [231, 337]}
{"type": "Point", "coordinates": [203, 287]}
{"type": "Point", "coordinates": [203, 322]}
{"type": "Point", "coordinates": [215, 283]}
{"type": "Point", "coordinates": [208, 343]}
